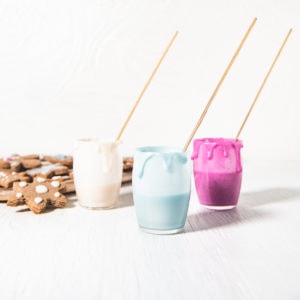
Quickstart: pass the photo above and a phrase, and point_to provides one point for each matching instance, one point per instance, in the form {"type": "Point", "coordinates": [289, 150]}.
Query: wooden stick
{"type": "Point", "coordinates": [146, 86]}
{"type": "Point", "coordinates": [218, 86]}
{"type": "Point", "coordinates": [264, 82]}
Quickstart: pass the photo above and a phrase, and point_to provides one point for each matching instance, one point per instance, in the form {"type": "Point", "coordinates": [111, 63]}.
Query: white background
{"type": "Point", "coordinates": [71, 69]}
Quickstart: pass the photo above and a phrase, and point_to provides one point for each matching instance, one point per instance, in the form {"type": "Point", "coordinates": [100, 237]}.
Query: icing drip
{"type": "Point", "coordinates": [212, 144]}
{"type": "Point", "coordinates": [225, 152]}
{"type": "Point", "coordinates": [106, 150]}
{"type": "Point", "coordinates": [167, 159]}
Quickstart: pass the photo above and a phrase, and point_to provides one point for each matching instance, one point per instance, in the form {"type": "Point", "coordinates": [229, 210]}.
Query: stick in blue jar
{"type": "Point", "coordinates": [161, 179]}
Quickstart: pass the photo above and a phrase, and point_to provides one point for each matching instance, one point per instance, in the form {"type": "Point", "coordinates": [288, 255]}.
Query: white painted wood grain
{"type": "Point", "coordinates": [74, 68]}
{"type": "Point", "coordinates": [251, 252]}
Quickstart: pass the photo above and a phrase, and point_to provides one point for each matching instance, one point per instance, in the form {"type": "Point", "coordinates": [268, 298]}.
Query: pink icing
{"type": "Point", "coordinates": [217, 171]}
{"type": "Point", "coordinates": [218, 149]}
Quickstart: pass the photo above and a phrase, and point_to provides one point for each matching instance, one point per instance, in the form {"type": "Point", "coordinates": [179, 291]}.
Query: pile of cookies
{"type": "Point", "coordinates": [42, 182]}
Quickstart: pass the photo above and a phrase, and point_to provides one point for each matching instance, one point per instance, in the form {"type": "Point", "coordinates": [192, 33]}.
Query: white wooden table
{"type": "Point", "coordinates": [251, 252]}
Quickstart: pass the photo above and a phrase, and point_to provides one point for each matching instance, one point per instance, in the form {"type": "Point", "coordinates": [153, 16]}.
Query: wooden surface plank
{"type": "Point", "coordinates": [5, 193]}
{"type": "Point", "coordinates": [251, 252]}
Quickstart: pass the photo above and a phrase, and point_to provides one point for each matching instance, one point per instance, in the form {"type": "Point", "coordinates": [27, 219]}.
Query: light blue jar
{"type": "Point", "coordinates": [161, 184]}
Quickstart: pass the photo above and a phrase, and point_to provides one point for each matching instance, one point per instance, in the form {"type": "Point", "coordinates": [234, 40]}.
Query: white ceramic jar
{"type": "Point", "coordinates": [97, 173]}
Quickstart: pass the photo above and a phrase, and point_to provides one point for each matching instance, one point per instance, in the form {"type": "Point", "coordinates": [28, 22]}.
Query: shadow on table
{"type": "Point", "coordinates": [125, 199]}
{"type": "Point", "coordinates": [264, 197]}
{"type": "Point", "coordinates": [209, 219]}
{"type": "Point", "coordinates": [245, 211]}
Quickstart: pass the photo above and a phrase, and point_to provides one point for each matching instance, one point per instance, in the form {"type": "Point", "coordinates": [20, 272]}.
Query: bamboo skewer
{"type": "Point", "coordinates": [264, 82]}
{"type": "Point", "coordinates": [219, 85]}
{"type": "Point", "coordinates": [146, 86]}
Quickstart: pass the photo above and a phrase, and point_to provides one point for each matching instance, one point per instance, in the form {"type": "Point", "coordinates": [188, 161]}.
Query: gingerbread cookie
{"type": "Point", "coordinates": [15, 166]}
{"type": "Point", "coordinates": [8, 177]}
{"type": "Point", "coordinates": [21, 163]}
{"type": "Point", "coordinates": [4, 194]}
{"type": "Point", "coordinates": [48, 170]}
{"type": "Point", "coordinates": [30, 163]}
{"type": "Point", "coordinates": [127, 164]}
{"type": "Point", "coordinates": [30, 156]}
{"type": "Point", "coordinates": [64, 160]}
{"type": "Point", "coordinates": [67, 181]}
{"type": "Point", "coordinates": [38, 195]}
{"type": "Point", "coordinates": [4, 164]}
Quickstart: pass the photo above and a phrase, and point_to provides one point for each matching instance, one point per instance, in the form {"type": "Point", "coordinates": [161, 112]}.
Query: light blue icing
{"type": "Point", "coordinates": [167, 158]}
{"type": "Point", "coordinates": [161, 212]}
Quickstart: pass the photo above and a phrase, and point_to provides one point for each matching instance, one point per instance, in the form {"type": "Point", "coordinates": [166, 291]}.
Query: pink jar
{"type": "Point", "coordinates": [217, 171]}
